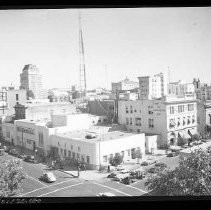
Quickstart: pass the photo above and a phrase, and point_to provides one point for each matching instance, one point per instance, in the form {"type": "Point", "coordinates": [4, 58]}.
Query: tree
{"type": "Point", "coordinates": [11, 177]}
{"type": "Point", "coordinates": [195, 137]}
{"type": "Point", "coordinates": [30, 94]}
{"type": "Point", "coordinates": [138, 154]}
{"type": "Point", "coordinates": [181, 141]}
{"type": "Point", "coordinates": [116, 160]}
{"type": "Point", "coordinates": [191, 177]}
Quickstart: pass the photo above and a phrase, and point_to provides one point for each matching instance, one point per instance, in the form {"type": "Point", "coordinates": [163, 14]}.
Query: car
{"type": "Point", "coordinates": [170, 154]}
{"type": "Point", "coordinates": [112, 175]}
{"type": "Point", "coordinates": [105, 194]}
{"type": "Point", "coordinates": [153, 170]}
{"type": "Point", "coordinates": [185, 146]}
{"type": "Point", "coordinates": [48, 177]}
{"type": "Point", "coordinates": [124, 171]}
{"type": "Point", "coordinates": [119, 168]}
{"type": "Point", "coordinates": [22, 156]}
{"type": "Point", "coordinates": [30, 159]}
{"type": "Point", "coordinates": [14, 152]}
{"type": "Point", "coordinates": [159, 164]}
{"type": "Point", "coordinates": [144, 163]}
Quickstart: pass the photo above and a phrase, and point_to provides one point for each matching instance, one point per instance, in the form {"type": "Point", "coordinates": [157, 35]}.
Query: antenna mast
{"type": "Point", "coordinates": [82, 70]}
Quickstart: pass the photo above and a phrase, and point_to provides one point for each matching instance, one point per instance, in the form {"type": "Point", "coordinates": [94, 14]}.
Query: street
{"type": "Point", "coordinates": [67, 185]}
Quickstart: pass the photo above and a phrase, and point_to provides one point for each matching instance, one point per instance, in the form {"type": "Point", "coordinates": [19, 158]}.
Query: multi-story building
{"type": "Point", "coordinates": [31, 80]}
{"type": "Point", "coordinates": [152, 87]}
{"type": "Point", "coordinates": [179, 89]}
{"type": "Point", "coordinates": [203, 91]}
{"type": "Point", "coordinates": [125, 84]}
{"type": "Point", "coordinates": [203, 117]}
{"type": "Point", "coordinates": [167, 117]}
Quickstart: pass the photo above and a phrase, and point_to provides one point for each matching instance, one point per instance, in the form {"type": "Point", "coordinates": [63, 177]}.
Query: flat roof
{"type": "Point", "coordinates": [80, 135]}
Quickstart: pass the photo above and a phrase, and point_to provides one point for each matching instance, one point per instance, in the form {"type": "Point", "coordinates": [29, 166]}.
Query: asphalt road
{"type": "Point", "coordinates": [69, 186]}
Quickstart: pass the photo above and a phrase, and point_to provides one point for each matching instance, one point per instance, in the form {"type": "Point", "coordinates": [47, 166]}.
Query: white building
{"type": "Point", "coordinates": [31, 79]}
{"type": "Point", "coordinates": [96, 148]}
{"type": "Point", "coordinates": [152, 87]}
{"type": "Point", "coordinates": [169, 118]}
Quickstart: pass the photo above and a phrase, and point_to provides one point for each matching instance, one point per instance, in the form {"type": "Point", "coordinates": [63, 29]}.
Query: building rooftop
{"type": "Point", "coordinates": [94, 137]}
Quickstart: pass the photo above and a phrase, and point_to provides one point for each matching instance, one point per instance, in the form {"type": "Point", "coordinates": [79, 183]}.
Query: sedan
{"type": "Point", "coordinates": [160, 164]}
{"type": "Point", "coordinates": [48, 177]}
{"type": "Point", "coordinates": [30, 159]}
{"type": "Point", "coordinates": [145, 163]}
{"type": "Point", "coordinates": [14, 152]}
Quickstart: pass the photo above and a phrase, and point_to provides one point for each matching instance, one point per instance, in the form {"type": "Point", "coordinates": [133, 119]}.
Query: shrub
{"type": "Point", "coordinates": [116, 160]}
{"type": "Point", "coordinates": [182, 141]}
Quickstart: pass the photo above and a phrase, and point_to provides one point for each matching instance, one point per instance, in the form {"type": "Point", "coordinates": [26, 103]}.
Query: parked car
{"type": "Point", "coordinates": [105, 194]}
{"type": "Point", "coordinates": [30, 159]}
{"type": "Point", "coordinates": [119, 168]}
{"type": "Point", "coordinates": [22, 156]}
{"type": "Point", "coordinates": [14, 152]}
{"type": "Point", "coordinates": [159, 164]}
{"type": "Point", "coordinates": [153, 170]}
{"type": "Point", "coordinates": [144, 163]}
{"type": "Point", "coordinates": [112, 175]}
{"type": "Point", "coordinates": [48, 177]}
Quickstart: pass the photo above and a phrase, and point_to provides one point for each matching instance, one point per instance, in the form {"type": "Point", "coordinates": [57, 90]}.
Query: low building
{"type": "Point", "coordinates": [169, 118]}
{"type": "Point", "coordinates": [96, 148]}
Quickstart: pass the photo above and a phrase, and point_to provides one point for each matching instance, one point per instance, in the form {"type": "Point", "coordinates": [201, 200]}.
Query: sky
{"type": "Point", "coordinates": [123, 42]}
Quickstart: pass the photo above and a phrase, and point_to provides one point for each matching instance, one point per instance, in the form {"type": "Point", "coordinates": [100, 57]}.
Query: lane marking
{"type": "Point", "coordinates": [137, 189]}
{"type": "Point", "coordinates": [60, 189]}
{"type": "Point", "coordinates": [36, 180]}
{"type": "Point", "coordinates": [111, 188]}
{"type": "Point", "coordinates": [47, 186]}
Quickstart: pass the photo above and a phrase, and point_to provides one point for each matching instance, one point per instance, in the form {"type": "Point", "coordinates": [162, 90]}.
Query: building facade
{"type": "Point", "coordinates": [170, 119]}
{"type": "Point", "coordinates": [31, 80]}
{"type": "Point", "coordinates": [152, 87]}
{"type": "Point", "coordinates": [125, 84]}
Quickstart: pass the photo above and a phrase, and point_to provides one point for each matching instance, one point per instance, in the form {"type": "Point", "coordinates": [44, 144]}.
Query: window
{"type": "Point", "coordinates": [131, 109]}
{"type": "Point", "coordinates": [99, 121]}
{"type": "Point", "coordinates": [171, 110]}
{"type": "Point", "coordinates": [188, 122]}
{"type": "Point", "coordinates": [16, 97]}
{"type": "Point", "coordinates": [69, 153]}
{"type": "Point", "coordinates": [88, 159]}
{"type": "Point", "coordinates": [151, 122]}
{"type": "Point", "coordinates": [150, 109]}
{"type": "Point", "coordinates": [61, 150]}
{"type": "Point", "coordinates": [138, 130]}
{"type": "Point", "coordinates": [126, 109]}
{"type": "Point", "coordinates": [178, 122]}
{"type": "Point", "coordinates": [190, 107]}
{"type": "Point", "coordinates": [78, 156]}
{"type": "Point", "coordinates": [183, 121]}
{"type": "Point", "coordinates": [105, 158]}
{"type": "Point", "coordinates": [172, 123]}
{"type": "Point", "coordinates": [8, 134]}
{"type": "Point", "coordinates": [131, 121]}
{"type": "Point", "coordinates": [127, 121]}
{"type": "Point", "coordinates": [181, 108]}
{"type": "Point", "coordinates": [41, 141]}
{"type": "Point", "coordinates": [138, 121]}
{"type": "Point", "coordinates": [72, 147]}
{"type": "Point", "coordinates": [73, 155]}
{"type": "Point", "coordinates": [79, 149]}
{"type": "Point", "coordinates": [65, 152]}
{"type": "Point", "coordinates": [193, 118]}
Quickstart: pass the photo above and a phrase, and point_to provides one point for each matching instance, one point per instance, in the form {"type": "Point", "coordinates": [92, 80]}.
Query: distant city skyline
{"type": "Point", "coordinates": [118, 43]}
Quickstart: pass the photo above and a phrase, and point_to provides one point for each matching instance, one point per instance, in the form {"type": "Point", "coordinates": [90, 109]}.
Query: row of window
{"type": "Point", "coordinates": [129, 121]}
{"type": "Point", "coordinates": [74, 155]}
{"type": "Point", "coordinates": [79, 149]}
{"type": "Point", "coordinates": [181, 122]}
{"type": "Point", "coordinates": [150, 110]}
{"type": "Point", "coordinates": [181, 108]}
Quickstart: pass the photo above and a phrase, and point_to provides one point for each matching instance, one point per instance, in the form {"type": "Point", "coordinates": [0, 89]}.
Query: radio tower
{"type": "Point", "coordinates": [82, 70]}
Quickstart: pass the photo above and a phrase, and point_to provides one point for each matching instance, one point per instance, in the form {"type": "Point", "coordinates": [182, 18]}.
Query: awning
{"type": "Point", "coordinates": [192, 132]}
{"type": "Point", "coordinates": [179, 135]}
{"type": "Point", "coordinates": [186, 136]}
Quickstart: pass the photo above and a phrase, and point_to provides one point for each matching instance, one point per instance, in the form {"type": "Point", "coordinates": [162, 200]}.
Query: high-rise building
{"type": "Point", "coordinates": [31, 80]}
{"type": "Point", "coordinates": [152, 87]}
